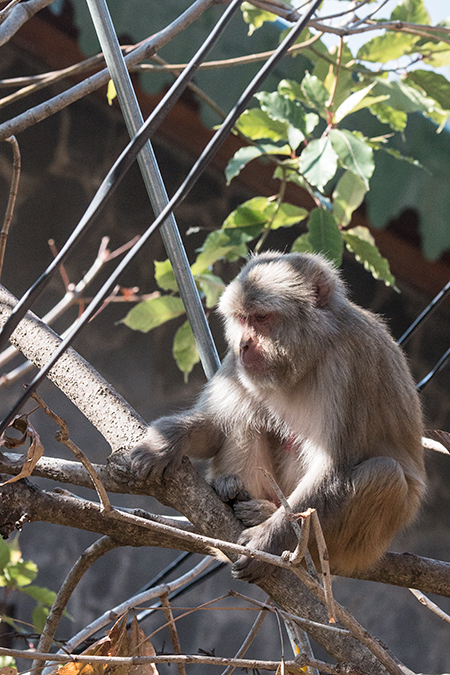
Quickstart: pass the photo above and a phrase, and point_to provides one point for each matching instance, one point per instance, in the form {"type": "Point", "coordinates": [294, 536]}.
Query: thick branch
{"type": "Point", "coordinates": [76, 378]}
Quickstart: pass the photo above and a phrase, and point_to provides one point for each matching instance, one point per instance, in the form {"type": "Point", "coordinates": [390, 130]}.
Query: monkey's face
{"type": "Point", "coordinates": [276, 313]}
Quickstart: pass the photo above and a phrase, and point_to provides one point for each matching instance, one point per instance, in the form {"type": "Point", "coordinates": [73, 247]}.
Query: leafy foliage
{"type": "Point", "coordinates": [305, 129]}
{"type": "Point", "coordinates": [17, 574]}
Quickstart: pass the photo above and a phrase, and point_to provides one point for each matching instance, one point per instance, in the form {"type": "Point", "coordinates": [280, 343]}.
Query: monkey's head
{"type": "Point", "coordinates": [280, 313]}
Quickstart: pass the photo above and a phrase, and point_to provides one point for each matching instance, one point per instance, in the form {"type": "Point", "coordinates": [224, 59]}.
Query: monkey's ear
{"type": "Point", "coordinates": [322, 290]}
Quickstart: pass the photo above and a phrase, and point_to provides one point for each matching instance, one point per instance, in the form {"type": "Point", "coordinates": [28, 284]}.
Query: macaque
{"type": "Point", "coordinates": [314, 390]}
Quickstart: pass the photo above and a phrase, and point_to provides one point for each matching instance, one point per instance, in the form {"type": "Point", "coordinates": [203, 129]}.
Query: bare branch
{"type": "Point", "coordinates": [12, 198]}
{"type": "Point", "coordinates": [84, 562]}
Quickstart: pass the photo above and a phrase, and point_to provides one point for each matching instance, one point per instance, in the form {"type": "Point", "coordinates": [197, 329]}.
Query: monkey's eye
{"type": "Point", "coordinates": [261, 317]}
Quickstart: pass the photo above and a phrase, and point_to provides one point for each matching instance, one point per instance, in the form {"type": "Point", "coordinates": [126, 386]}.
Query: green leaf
{"type": "Point", "coordinates": [434, 85]}
{"type": "Point", "coordinates": [292, 89]}
{"type": "Point", "coordinates": [289, 170]}
{"type": "Point", "coordinates": [21, 573]}
{"type": "Point", "coordinates": [387, 47]}
{"type": "Point", "coordinates": [41, 594]}
{"type": "Point", "coordinates": [283, 109]}
{"type": "Point", "coordinates": [39, 617]}
{"type": "Point", "coordinates": [354, 153]}
{"type": "Point", "coordinates": [411, 11]}
{"type": "Point", "coordinates": [315, 93]}
{"type": "Point", "coordinates": [403, 96]}
{"type": "Point", "coordinates": [255, 17]}
{"type": "Point", "coordinates": [256, 124]}
{"type": "Point", "coordinates": [347, 196]}
{"type": "Point", "coordinates": [403, 158]}
{"type": "Point", "coordinates": [212, 286]}
{"type": "Point", "coordinates": [245, 155]}
{"type": "Point", "coordinates": [220, 244]}
{"type": "Point", "coordinates": [396, 119]}
{"type": "Point", "coordinates": [263, 211]}
{"type": "Point", "coordinates": [357, 101]}
{"type": "Point", "coordinates": [5, 554]}
{"type": "Point", "coordinates": [164, 275]}
{"type": "Point", "coordinates": [325, 236]}
{"type": "Point", "coordinates": [153, 312]}
{"type": "Point", "coordinates": [251, 212]}
{"type": "Point", "coordinates": [318, 162]}
{"type": "Point", "coordinates": [184, 349]}
{"type": "Point", "coordinates": [302, 244]}
{"type": "Point", "coordinates": [287, 215]}
{"type": "Point", "coordinates": [360, 242]}
{"type": "Point", "coordinates": [327, 74]}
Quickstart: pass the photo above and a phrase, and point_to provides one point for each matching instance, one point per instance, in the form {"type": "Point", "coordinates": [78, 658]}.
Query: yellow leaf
{"type": "Point", "coordinates": [111, 92]}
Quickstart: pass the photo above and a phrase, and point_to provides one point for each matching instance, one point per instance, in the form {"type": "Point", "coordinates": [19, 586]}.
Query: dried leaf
{"type": "Point", "coordinates": [35, 451]}
{"type": "Point", "coordinates": [141, 646]}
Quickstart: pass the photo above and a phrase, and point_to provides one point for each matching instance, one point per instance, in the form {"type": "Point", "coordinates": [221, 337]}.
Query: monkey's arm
{"type": "Point", "coordinates": [169, 438]}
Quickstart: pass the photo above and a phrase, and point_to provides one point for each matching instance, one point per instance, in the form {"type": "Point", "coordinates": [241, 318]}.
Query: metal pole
{"type": "Point", "coordinates": [154, 185]}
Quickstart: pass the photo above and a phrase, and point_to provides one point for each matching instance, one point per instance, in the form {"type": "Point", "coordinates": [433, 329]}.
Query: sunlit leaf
{"type": "Point", "coordinates": [184, 349]}
{"type": "Point", "coordinates": [111, 92]}
{"type": "Point", "coordinates": [220, 244]}
{"type": "Point", "coordinates": [283, 109]}
{"type": "Point", "coordinates": [21, 573]}
{"type": "Point", "coordinates": [245, 155]}
{"type": "Point", "coordinates": [164, 275]}
{"type": "Point", "coordinates": [360, 242]}
{"type": "Point", "coordinates": [411, 11]}
{"type": "Point", "coordinates": [255, 17]}
{"type": "Point", "coordinates": [387, 47]}
{"type": "Point", "coordinates": [318, 162]}
{"type": "Point", "coordinates": [5, 554]}
{"type": "Point", "coordinates": [396, 119]}
{"type": "Point", "coordinates": [347, 196]}
{"type": "Point", "coordinates": [353, 152]}
{"type": "Point", "coordinates": [256, 124]}
{"type": "Point", "coordinates": [435, 85]}
{"type": "Point", "coordinates": [39, 617]}
{"type": "Point", "coordinates": [41, 594]}
{"type": "Point", "coordinates": [212, 286]}
{"type": "Point", "coordinates": [356, 102]}
{"type": "Point", "coordinates": [153, 312]}
{"type": "Point", "coordinates": [325, 236]}
{"type": "Point", "coordinates": [314, 92]}
{"type": "Point", "coordinates": [302, 244]}
{"type": "Point", "coordinates": [403, 96]}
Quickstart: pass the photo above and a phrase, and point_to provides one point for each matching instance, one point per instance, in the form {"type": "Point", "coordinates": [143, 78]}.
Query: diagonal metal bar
{"type": "Point", "coordinates": [434, 304]}
{"type": "Point", "coordinates": [112, 180]}
{"type": "Point", "coordinates": [154, 182]}
{"type": "Point", "coordinates": [203, 161]}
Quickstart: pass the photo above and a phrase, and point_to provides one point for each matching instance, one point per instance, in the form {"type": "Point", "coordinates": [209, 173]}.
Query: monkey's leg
{"type": "Point", "coordinates": [381, 502]}
{"type": "Point", "coordinates": [230, 489]}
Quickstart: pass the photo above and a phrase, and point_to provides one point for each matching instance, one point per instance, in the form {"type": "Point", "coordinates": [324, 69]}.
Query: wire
{"type": "Point", "coordinates": [434, 304]}
{"type": "Point", "coordinates": [116, 174]}
{"type": "Point", "coordinates": [190, 180]}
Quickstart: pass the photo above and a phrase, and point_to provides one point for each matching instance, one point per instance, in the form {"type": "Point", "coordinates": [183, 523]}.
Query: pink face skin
{"type": "Point", "coordinates": [256, 331]}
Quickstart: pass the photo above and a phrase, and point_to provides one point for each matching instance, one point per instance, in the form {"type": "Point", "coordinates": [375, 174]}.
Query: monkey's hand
{"type": "Point", "coordinates": [230, 489]}
{"type": "Point", "coordinates": [157, 453]}
{"type": "Point", "coordinates": [275, 535]}
{"type": "Point", "coordinates": [253, 511]}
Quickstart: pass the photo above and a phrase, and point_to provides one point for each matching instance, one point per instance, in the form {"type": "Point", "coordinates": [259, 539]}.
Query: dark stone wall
{"type": "Point", "coordinates": [64, 160]}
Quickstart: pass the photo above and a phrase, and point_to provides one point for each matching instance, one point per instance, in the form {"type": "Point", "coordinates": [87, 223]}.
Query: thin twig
{"type": "Point", "coordinates": [295, 666]}
{"type": "Point", "coordinates": [144, 597]}
{"type": "Point", "coordinates": [430, 604]}
{"type": "Point", "coordinates": [12, 197]}
{"type": "Point", "coordinates": [172, 630]}
{"type": "Point", "coordinates": [298, 619]}
{"type": "Point", "coordinates": [84, 562]}
{"type": "Point", "coordinates": [63, 437]}
{"type": "Point", "coordinates": [324, 564]}
{"type": "Point", "coordinates": [248, 640]}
